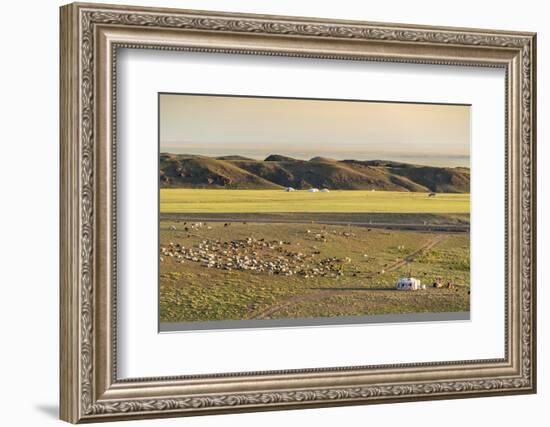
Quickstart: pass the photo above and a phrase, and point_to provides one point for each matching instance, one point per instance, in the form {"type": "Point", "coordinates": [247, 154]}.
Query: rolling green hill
{"type": "Point", "coordinates": [277, 171]}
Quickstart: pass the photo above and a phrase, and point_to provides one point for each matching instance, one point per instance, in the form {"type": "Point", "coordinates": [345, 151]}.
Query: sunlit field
{"type": "Point", "coordinates": [272, 201]}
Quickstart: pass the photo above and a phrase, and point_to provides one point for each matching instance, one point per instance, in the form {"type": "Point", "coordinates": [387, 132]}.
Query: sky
{"type": "Point", "coordinates": [429, 134]}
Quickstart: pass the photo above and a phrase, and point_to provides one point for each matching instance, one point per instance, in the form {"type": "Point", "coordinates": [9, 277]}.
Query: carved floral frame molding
{"type": "Point", "coordinates": [90, 37]}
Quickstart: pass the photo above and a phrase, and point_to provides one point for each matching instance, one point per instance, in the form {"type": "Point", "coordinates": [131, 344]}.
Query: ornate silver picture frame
{"type": "Point", "coordinates": [91, 35]}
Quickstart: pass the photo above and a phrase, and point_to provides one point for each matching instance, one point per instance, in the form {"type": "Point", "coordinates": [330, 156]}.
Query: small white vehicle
{"type": "Point", "coordinates": [408, 284]}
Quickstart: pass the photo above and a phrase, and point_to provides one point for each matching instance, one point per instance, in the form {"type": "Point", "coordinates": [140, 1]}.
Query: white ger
{"type": "Point", "coordinates": [409, 284]}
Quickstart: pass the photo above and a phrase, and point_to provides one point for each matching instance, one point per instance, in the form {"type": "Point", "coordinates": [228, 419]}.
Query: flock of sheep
{"type": "Point", "coordinates": [258, 255]}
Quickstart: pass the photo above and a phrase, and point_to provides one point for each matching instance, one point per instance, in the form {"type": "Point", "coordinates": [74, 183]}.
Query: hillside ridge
{"type": "Point", "coordinates": [278, 172]}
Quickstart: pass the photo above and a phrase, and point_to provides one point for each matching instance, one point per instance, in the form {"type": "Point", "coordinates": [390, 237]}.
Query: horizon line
{"type": "Point", "coordinates": [306, 159]}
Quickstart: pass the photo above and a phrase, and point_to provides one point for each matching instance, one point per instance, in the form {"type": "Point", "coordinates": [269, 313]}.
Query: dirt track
{"type": "Point", "coordinates": [324, 293]}
{"type": "Point", "coordinates": [454, 228]}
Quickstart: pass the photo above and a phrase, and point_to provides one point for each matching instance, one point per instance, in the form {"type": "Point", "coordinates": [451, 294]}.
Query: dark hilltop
{"type": "Point", "coordinates": [278, 171]}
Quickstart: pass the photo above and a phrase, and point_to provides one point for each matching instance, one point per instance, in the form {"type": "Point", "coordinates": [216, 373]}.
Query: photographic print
{"type": "Point", "coordinates": [295, 212]}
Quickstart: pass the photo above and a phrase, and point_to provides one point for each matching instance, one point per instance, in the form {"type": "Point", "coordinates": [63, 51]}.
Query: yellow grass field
{"type": "Point", "coordinates": [272, 201]}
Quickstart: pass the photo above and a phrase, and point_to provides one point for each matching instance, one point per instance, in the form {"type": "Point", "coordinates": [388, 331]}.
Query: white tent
{"type": "Point", "coordinates": [313, 190]}
{"type": "Point", "coordinates": [408, 284]}
{"type": "Point", "coordinates": [287, 189]}
{"type": "Point", "coordinates": [325, 190]}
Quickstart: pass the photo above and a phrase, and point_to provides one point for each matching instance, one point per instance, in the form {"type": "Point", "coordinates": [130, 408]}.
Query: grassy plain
{"type": "Point", "coordinates": [189, 291]}
{"type": "Point", "coordinates": [271, 201]}
{"type": "Point", "coordinates": [375, 259]}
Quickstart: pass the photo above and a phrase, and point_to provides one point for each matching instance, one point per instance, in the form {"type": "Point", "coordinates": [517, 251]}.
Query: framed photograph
{"type": "Point", "coordinates": [266, 212]}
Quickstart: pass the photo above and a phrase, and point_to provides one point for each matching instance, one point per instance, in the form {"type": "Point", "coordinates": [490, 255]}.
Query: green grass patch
{"type": "Point", "coordinates": [272, 201]}
{"type": "Point", "coordinates": [191, 292]}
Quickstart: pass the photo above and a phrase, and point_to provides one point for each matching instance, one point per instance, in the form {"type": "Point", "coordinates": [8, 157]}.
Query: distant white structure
{"type": "Point", "coordinates": [288, 189]}
{"type": "Point", "coordinates": [408, 284]}
{"type": "Point", "coordinates": [313, 190]}
{"type": "Point", "coordinates": [325, 190]}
